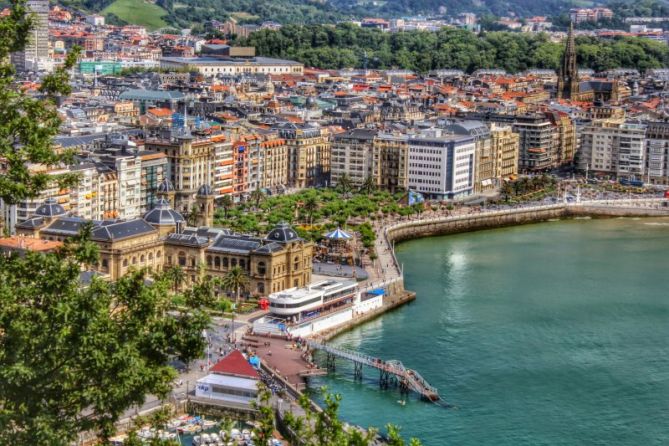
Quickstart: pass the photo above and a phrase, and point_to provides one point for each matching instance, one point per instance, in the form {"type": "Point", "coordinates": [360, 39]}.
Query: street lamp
{"type": "Point", "coordinates": [206, 339]}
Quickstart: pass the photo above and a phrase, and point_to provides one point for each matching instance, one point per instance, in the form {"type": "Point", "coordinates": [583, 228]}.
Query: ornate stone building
{"type": "Point", "coordinates": [160, 239]}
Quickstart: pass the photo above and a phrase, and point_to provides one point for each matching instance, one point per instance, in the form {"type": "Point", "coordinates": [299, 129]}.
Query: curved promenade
{"type": "Point", "coordinates": [391, 270]}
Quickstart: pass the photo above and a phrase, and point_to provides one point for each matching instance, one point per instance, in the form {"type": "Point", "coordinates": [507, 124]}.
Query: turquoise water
{"type": "Point", "coordinates": [548, 334]}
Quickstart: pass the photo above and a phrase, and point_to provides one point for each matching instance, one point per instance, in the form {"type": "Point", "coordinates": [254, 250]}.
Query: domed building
{"type": "Point", "coordinates": [160, 239]}
{"type": "Point", "coordinates": [50, 209]}
{"type": "Point", "coordinates": [164, 218]}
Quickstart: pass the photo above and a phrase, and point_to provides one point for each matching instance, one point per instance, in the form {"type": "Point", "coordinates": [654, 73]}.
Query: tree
{"type": "Point", "coordinates": [344, 184]}
{"type": "Point", "coordinates": [310, 206]}
{"type": "Point", "coordinates": [236, 280]}
{"type": "Point", "coordinates": [265, 426]}
{"type": "Point", "coordinates": [257, 196]}
{"type": "Point", "coordinates": [226, 204]}
{"type": "Point", "coordinates": [75, 358]}
{"type": "Point", "coordinates": [324, 428]}
{"type": "Point", "coordinates": [27, 123]}
{"type": "Point", "coordinates": [176, 276]}
{"type": "Point", "coordinates": [368, 186]}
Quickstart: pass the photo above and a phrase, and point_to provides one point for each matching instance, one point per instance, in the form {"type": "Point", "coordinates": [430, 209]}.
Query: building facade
{"type": "Point", "coordinates": [441, 166]}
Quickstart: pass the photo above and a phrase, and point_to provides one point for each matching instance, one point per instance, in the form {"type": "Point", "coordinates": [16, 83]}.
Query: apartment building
{"type": "Point", "coordinates": [365, 153]}
{"type": "Point", "coordinates": [613, 148]}
{"type": "Point", "coordinates": [441, 165]}
{"type": "Point", "coordinates": [308, 154]}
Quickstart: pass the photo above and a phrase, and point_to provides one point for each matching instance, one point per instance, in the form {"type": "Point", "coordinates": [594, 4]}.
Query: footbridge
{"type": "Point", "coordinates": [391, 372]}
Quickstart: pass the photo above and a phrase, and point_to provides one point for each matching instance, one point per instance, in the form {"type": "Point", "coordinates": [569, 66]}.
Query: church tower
{"type": "Point", "coordinates": [568, 83]}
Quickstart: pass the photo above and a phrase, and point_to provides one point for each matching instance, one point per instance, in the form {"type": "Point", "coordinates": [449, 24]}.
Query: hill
{"type": "Point", "coordinates": [137, 12]}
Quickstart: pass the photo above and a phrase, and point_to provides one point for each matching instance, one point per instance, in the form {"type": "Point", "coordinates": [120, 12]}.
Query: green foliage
{"type": "Point", "coordinates": [236, 280]}
{"type": "Point", "coordinates": [138, 12]}
{"type": "Point", "coordinates": [74, 358]}
{"type": "Point", "coordinates": [324, 428]}
{"type": "Point", "coordinates": [27, 123]}
{"type": "Point", "coordinates": [367, 235]}
{"type": "Point", "coordinates": [318, 210]}
{"type": "Point", "coordinates": [345, 46]}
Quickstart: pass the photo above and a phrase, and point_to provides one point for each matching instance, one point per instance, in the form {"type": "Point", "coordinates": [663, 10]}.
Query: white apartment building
{"type": "Point", "coordinates": [615, 148]}
{"type": "Point", "coordinates": [441, 165]}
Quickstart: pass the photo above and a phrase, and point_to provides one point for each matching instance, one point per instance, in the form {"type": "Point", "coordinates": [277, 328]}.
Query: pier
{"type": "Point", "coordinates": [390, 372]}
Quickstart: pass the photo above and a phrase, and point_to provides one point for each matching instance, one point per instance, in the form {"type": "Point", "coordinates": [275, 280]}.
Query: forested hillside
{"type": "Point", "coordinates": [348, 46]}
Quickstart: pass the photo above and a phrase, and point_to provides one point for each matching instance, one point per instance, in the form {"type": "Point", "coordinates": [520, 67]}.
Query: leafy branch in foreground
{"type": "Point", "coordinates": [74, 358]}
{"type": "Point", "coordinates": [28, 123]}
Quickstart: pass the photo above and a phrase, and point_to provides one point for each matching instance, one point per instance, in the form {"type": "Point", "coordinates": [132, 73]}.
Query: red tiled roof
{"type": "Point", "coordinates": [235, 364]}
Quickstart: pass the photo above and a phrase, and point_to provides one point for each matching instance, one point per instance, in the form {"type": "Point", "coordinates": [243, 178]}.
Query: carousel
{"type": "Point", "coordinates": [338, 247]}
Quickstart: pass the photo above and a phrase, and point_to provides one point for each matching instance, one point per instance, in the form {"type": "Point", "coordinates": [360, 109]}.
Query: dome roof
{"type": "Point", "coordinates": [283, 233]}
{"type": "Point", "coordinates": [163, 214]}
{"type": "Point", "coordinates": [205, 190]}
{"type": "Point", "coordinates": [166, 186]}
{"type": "Point", "coordinates": [50, 208]}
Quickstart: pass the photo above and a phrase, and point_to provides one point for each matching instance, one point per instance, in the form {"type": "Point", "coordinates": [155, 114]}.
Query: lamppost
{"type": "Point", "coordinates": [206, 339]}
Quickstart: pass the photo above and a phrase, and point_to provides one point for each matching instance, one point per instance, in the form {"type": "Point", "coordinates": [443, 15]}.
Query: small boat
{"type": "Point", "coordinates": [208, 424]}
{"type": "Point", "coordinates": [401, 402]}
{"type": "Point", "coordinates": [235, 434]}
{"type": "Point", "coordinates": [215, 438]}
{"type": "Point", "coordinates": [206, 438]}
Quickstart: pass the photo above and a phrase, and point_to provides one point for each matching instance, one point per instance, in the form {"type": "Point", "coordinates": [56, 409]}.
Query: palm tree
{"type": "Point", "coordinates": [226, 204]}
{"type": "Point", "coordinates": [236, 280]}
{"type": "Point", "coordinates": [368, 186]}
{"type": "Point", "coordinates": [257, 196]}
{"type": "Point", "coordinates": [310, 206]}
{"type": "Point", "coordinates": [344, 184]}
{"type": "Point", "coordinates": [176, 275]}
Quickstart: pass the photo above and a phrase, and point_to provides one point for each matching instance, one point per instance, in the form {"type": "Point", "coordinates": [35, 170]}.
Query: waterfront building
{"type": "Point", "coordinates": [615, 148]}
{"type": "Point", "coordinates": [484, 177]}
{"type": "Point", "coordinates": [352, 155]}
{"type": "Point", "coordinates": [307, 310]}
{"type": "Point", "coordinates": [231, 379]}
{"type": "Point", "coordinates": [441, 165]}
{"type": "Point", "coordinates": [368, 153]}
{"type": "Point", "coordinates": [505, 146]}
{"type": "Point", "coordinates": [657, 152]}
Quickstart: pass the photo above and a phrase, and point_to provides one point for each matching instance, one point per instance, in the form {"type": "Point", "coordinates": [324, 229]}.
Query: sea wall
{"type": "Point", "coordinates": [472, 222]}
{"type": "Point", "coordinates": [496, 219]}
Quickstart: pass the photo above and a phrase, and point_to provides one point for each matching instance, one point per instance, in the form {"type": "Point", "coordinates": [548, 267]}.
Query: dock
{"type": "Point", "coordinates": [407, 379]}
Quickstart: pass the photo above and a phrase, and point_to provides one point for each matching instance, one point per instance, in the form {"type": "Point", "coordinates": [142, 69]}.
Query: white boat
{"type": "Point", "coordinates": [235, 434]}
{"type": "Point", "coordinates": [208, 424]}
{"type": "Point", "coordinates": [197, 440]}
{"type": "Point", "coordinates": [222, 434]}
{"type": "Point", "coordinates": [206, 438]}
{"type": "Point", "coordinates": [215, 438]}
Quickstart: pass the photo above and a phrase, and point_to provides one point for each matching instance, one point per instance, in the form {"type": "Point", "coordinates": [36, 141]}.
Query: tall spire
{"type": "Point", "coordinates": [568, 82]}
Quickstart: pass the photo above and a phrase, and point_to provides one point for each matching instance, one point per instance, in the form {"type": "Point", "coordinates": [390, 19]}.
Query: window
{"type": "Point", "coordinates": [225, 262]}
{"type": "Point", "coordinates": [105, 263]}
{"type": "Point", "coordinates": [142, 259]}
{"type": "Point", "coordinates": [125, 263]}
{"type": "Point", "coordinates": [261, 268]}
{"type": "Point", "coordinates": [182, 258]}
{"type": "Point", "coordinates": [150, 256]}
{"type": "Point", "coordinates": [233, 262]}
{"type": "Point", "coordinates": [209, 261]}
{"type": "Point", "coordinates": [242, 263]}
{"type": "Point", "coordinates": [261, 288]}
{"type": "Point", "coordinates": [134, 260]}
